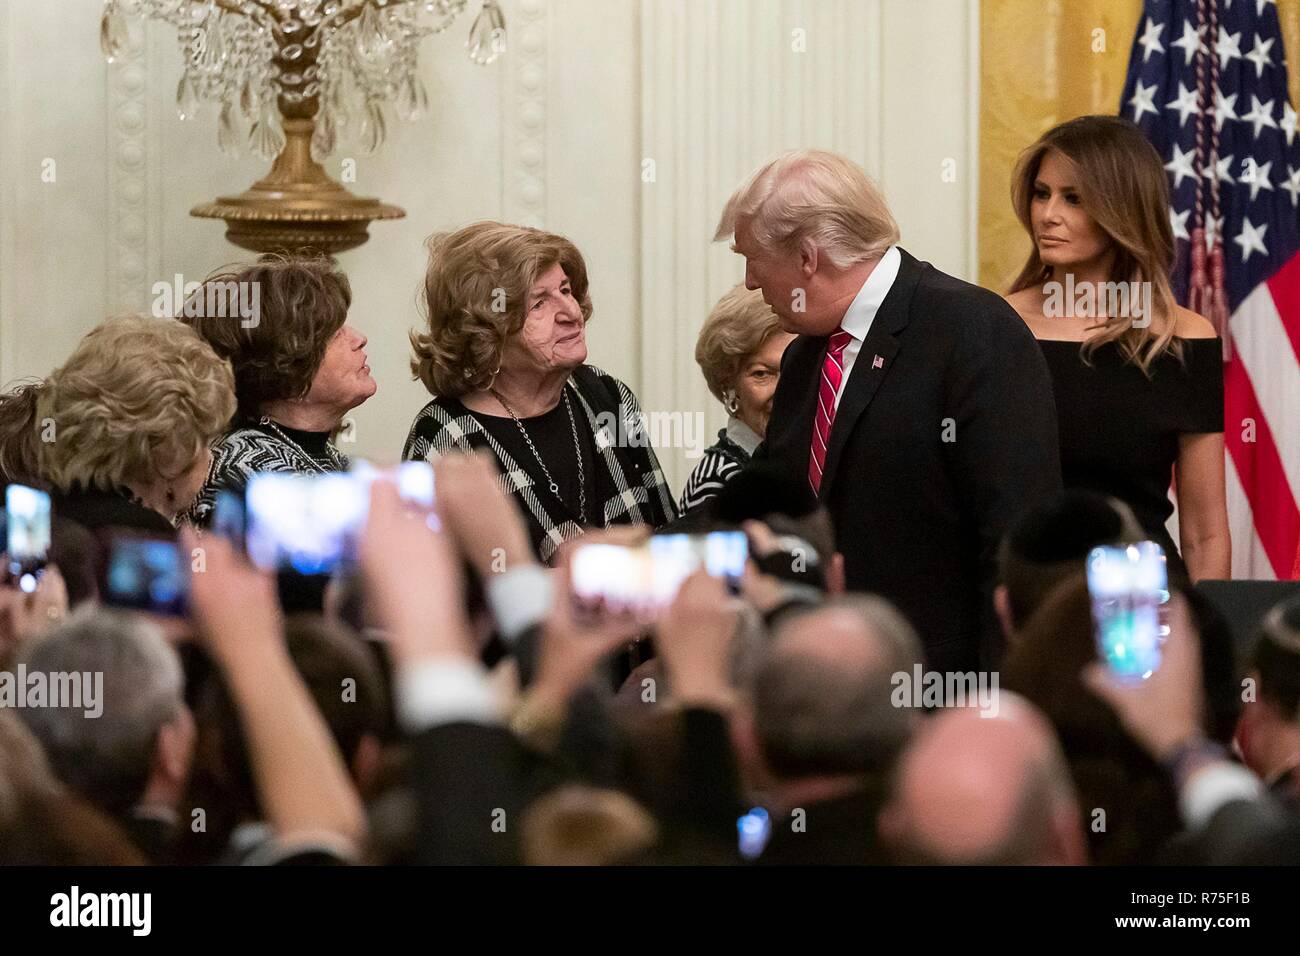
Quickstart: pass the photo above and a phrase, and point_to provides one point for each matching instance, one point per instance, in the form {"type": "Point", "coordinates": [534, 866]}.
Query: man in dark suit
{"type": "Point", "coordinates": [918, 406]}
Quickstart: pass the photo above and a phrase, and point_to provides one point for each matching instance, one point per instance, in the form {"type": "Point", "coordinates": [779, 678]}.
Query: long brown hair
{"type": "Point", "coordinates": [1122, 186]}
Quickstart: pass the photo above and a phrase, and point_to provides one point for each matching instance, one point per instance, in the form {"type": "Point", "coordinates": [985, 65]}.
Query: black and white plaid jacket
{"type": "Point", "coordinates": [245, 451]}
{"type": "Point", "coordinates": [642, 495]}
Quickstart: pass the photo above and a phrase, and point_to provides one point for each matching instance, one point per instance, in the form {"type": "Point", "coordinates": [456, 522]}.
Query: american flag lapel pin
{"type": "Point", "coordinates": [877, 362]}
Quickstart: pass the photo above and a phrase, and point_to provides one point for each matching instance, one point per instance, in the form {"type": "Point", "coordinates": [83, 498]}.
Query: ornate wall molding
{"type": "Point", "coordinates": [130, 172]}
{"type": "Point", "coordinates": [523, 115]}
{"type": "Point", "coordinates": [725, 86]}
{"type": "Point", "coordinates": [8, 197]}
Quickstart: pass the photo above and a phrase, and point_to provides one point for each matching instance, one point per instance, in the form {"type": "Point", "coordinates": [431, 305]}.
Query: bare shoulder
{"type": "Point", "coordinates": [1026, 300]}
{"type": "Point", "coordinates": [1028, 304]}
{"type": "Point", "coordinates": [1189, 325]}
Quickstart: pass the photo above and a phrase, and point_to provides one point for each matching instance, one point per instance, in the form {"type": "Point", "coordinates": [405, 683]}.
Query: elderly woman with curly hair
{"type": "Point", "coordinates": [739, 351]}
{"type": "Point", "coordinates": [504, 355]}
{"type": "Point", "coordinates": [122, 432]}
{"type": "Point", "coordinates": [299, 368]}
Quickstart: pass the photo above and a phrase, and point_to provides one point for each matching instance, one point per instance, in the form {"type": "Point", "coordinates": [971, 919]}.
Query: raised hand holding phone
{"type": "Point", "coordinates": [413, 580]}
{"type": "Point", "coordinates": [694, 637]}
{"type": "Point", "coordinates": [1163, 711]}
{"type": "Point", "coordinates": [27, 535]}
{"type": "Point", "coordinates": [233, 603]}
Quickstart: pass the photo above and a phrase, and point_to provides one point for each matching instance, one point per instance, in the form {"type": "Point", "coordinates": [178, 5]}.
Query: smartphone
{"type": "Point", "coordinates": [753, 830]}
{"type": "Point", "coordinates": [27, 535]}
{"type": "Point", "coordinates": [145, 574]}
{"type": "Point", "coordinates": [638, 582]}
{"type": "Point", "coordinates": [1128, 587]}
{"type": "Point", "coordinates": [228, 518]}
{"type": "Point", "coordinates": [311, 524]}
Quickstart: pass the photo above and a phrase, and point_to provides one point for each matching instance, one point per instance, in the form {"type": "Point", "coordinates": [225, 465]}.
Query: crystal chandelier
{"type": "Point", "coordinates": [291, 79]}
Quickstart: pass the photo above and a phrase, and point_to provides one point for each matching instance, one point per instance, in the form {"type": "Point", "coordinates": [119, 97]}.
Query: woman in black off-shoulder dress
{"type": "Point", "coordinates": [1138, 379]}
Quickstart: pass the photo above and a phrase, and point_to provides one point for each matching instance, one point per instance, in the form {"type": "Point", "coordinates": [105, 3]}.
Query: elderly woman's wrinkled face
{"type": "Point", "coordinates": [554, 336]}
{"type": "Point", "coordinates": [343, 380]}
{"type": "Point", "coordinates": [757, 382]}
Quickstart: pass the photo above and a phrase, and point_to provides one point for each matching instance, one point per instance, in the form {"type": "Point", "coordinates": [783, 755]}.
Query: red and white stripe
{"type": "Point", "coordinates": [1262, 400]}
{"type": "Point", "coordinates": [827, 389]}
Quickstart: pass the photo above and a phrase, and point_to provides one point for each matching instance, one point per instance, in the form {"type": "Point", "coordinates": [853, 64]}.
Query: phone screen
{"type": "Point", "coordinates": [639, 582]}
{"type": "Point", "coordinates": [146, 574]}
{"type": "Point", "coordinates": [27, 534]}
{"type": "Point", "coordinates": [1128, 586]}
{"type": "Point", "coordinates": [311, 524]}
{"type": "Point", "coordinates": [228, 518]}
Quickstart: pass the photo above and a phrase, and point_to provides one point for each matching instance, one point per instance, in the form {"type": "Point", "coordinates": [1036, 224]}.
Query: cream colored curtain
{"type": "Point", "coordinates": [1043, 62]}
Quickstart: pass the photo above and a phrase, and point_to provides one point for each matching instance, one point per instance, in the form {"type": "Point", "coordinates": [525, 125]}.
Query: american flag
{"type": "Point", "coordinates": [1257, 167]}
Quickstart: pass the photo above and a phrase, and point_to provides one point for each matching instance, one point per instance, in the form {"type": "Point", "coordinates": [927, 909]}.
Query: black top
{"type": "Point", "coordinates": [96, 509]}
{"type": "Point", "coordinates": [721, 462]}
{"type": "Point", "coordinates": [552, 436]}
{"type": "Point", "coordinates": [1120, 429]}
{"type": "Point", "coordinates": [251, 447]}
{"type": "Point", "coordinates": [315, 444]}
{"type": "Point", "coordinates": [625, 483]}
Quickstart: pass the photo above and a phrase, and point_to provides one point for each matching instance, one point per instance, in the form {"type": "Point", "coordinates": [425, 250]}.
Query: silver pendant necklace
{"type": "Point", "coordinates": [577, 449]}
{"type": "Point", "coordinates": [302, 452]}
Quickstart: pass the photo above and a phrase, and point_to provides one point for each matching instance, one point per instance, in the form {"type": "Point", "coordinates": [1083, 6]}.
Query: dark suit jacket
{"type": "Point", "coordinates": [931, 455]}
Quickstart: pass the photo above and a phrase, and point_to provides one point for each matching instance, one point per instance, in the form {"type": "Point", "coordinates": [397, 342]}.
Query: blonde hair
{"type": "Point", "coordinates": [739, 325]}
{"type": "Point", "coordinates": [584, 826]}
{"type": "Point", "coordinates": [19, 441]}
{"type": "Point", "coordinates": [137, 397]}
{"type": "Point", "coordinates": [1122, 186]}
{"type": "Point", "coordinates": [476, 298]}
{"type": "Point", "coordinates": [817, 195]}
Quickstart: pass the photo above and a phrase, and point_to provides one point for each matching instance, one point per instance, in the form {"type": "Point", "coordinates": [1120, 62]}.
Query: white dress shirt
{"type": "Point", "coordinates": [862, 311]}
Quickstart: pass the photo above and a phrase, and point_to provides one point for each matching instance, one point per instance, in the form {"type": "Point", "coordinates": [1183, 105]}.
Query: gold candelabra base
{"type": "Point", "coordinates": [297, 209]}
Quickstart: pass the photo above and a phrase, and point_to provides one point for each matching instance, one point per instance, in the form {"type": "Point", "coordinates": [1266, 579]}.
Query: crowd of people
{"type": "Point", "coordinates": [920, 468]}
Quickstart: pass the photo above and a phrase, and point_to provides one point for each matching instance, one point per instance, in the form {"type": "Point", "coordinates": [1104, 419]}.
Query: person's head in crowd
{"type": "Point", "coordinates": [1269, 735]}
{"type": "Point", "coordinates": [41, 823]}
{"type": "Point", "coordinates": [1113, 774]}
{"type": "Point", "coordinates": [502, 302]}
{"type": "Point", "coordinates": [739, 351]}
{"type": "Point", "coordinates": [296, 359]}
{"type": "Point", "coordinates": [584, 826]}
{"type": "Point", "coordinates": [1094, 196]}
{"type": "Point", "coordinates": [131, 746]}
{"type": "Point", "coordinates": [818, 716]}
{"type": "Point", "coordinates": [1220, 670]}
{"type": "Point", "coordinates": [135, 410]}
{"type": "Point", "coordinates": [27, 616]}
{"type": "Point", "coordinates": [978, 790]}
{"type": "Point", "coordinates": [222, 783]}
{"type": "Point", "coordinates": [1049, 543]}
{"type": "Point", "coordinates": [75, 551]}
{"type": "Point", "coordinates": [20, 443]}
{"type": "Point", "coordinates": [346, 683]}
{"type": "Point", "coordinates": [806, 222]}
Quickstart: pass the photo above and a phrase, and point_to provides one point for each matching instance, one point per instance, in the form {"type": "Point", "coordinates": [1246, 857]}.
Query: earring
{"type": "Point", "coordinates": [730, 402]}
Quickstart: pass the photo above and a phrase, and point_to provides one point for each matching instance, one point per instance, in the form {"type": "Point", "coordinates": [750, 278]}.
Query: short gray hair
{"type": "Point", "coordinates": [818, 195]}
{"type": "Point", "coordinates": [813, 716]}
{"type": "Point", "coordinates": [107, 758]}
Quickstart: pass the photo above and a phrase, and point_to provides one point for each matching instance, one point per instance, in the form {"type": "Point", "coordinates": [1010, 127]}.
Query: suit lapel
{"type": "Point", "coordinates": [873, 363]}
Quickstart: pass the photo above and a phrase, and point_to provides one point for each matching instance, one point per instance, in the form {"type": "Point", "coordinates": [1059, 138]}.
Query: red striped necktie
{"type": "Point", "coordinates": [832, 375]}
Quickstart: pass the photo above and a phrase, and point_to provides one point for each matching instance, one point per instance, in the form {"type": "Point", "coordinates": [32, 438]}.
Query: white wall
{"type": "Point", "coordinates": [554, 134]}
